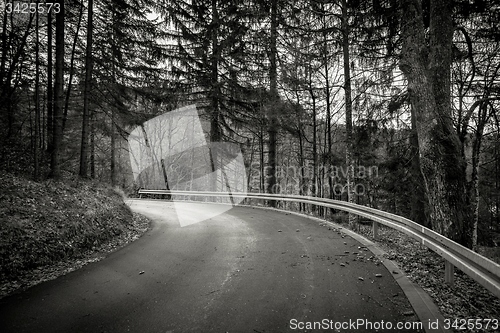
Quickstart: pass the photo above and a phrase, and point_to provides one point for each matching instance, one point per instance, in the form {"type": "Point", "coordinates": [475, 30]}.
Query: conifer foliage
{"type": "Point", "coordinates": [350, 100]}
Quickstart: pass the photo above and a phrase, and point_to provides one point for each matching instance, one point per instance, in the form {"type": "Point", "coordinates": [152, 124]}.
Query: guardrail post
{"type": "Point", "coordinates": [375, 229]}
{"type": "Point", "coordinates": [449, 273]}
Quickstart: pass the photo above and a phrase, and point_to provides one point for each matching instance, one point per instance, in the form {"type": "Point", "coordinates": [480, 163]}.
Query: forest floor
{"type": "Point", "coordinates": [51, 228]}
{"type": "Point", "coordinates": [465, 300]}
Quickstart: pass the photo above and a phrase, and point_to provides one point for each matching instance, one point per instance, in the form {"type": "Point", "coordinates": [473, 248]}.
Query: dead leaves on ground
{"type": "Point", "coordinates": [466, 299]}
{"type": "Point", "coordinates": [48, 223]}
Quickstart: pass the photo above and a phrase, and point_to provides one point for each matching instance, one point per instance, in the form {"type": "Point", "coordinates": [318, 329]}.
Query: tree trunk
{"type": "Point", "coordinates": [50, 94]}
{"type": "Point", "coordinates": [271, 111]}
{"type": "Point", "coordinates": [302, 181]}
{"type": "Point", "coordinates": [92, 143]}
{"type": "Point", "coordinates": [418, 200]}
{"type": "Point", "coordinates": [72, 67]}
{"type": "Point", "coordinates": [3, 65]}
{"type": "Point", "coordinates": [262, 178]}
{"type": "Point", "coordinates": [314, 189]}
{"type": "Point", "coordinates": [328, 132]}
{"type": "Point", "coordinates": [428, 72]}
{"type": "Point", "coordinates": [215, 130]}
{"type": "Point", "coordinates": [473, 174]}
{"type": "Point", "coordinates": [86, 95]}
{"type": "Point", "coordinates": [348, 111]}
{"type": "Point", "coordinates": [36, 160]}
{"type": "Point", "coordinates": [3, 61]}
{"type": "Point", "coordinates": [112, 164]}
{"type": "Point", "coordinates": [58, 94]}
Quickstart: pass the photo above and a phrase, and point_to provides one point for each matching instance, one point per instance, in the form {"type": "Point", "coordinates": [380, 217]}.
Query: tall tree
{"type": "Point", "coordinates": [50, 92]}
{"type": "Point", "coordinates": [274, 98]}
{"type": "Point", "coordinates": [86, 93]}
{"type": "Point", "coordinates": [14, 43]}
{"type": "Point", "coordinates": [475, 71]}
{"type": "Point", "coordinates": [127, 66]}
{"type": "Point", "coordinates": [206, 60]}
{"type": "Point", "coordinates": [36, 146]}
{"type": "Point", "coordinates": [426, 65]}
{"type": "Point", "coordinates": [348, 108]}
{"type": "Point", "coordinates": [215, 93]}
{"type": "Point", "coordinates": [72, 65]}
{"type": "Point", "coordinates": [55, 166]}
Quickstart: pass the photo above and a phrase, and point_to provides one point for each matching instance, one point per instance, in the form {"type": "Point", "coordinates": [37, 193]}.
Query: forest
{"type": "Point", "coordinates": [385, 103]}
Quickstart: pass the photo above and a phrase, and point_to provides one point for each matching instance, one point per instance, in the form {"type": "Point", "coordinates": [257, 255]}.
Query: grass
{"type": "Point", "coordinates": [51, 227]}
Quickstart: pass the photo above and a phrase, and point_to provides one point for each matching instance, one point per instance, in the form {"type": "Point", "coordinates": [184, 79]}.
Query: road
{"type": "Point", "coordinates": [247, 270]}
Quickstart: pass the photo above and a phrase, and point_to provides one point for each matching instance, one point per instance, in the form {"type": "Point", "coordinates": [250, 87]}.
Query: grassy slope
{"type": "Point", "coordinates": [51, 227]}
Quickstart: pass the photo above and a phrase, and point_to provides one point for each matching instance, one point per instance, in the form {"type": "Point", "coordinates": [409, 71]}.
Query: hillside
{"type": "Point", "coordinates": [50, 228]}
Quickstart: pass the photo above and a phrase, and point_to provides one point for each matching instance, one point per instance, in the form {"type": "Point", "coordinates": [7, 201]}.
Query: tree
{"type": "Point", "coordinates": [55, 171]}
{"type": "Point", "coordinates": [15, 36]}
{"type": "Point", "coordinates": [209, 37]}
{"type": "Point", "coordinates": [427, 69]}
{"type": "Point", "coordinates": [50, 93]}
{"type": "Point", "coordinates": [476, 66]}
{"type": "Point", "coordinates": [274, 97]}
{"type": "Point", "coordinates": [127, 66]}
{"type": "Point", "coordinates": [36, 145]}
{"type": "Point", "coordinates": [348, 108]}
{"type": "Point", "coordinates": [86, 93]}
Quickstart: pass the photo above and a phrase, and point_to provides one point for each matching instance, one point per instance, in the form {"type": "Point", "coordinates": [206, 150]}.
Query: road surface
{"type": "Point", "coordinates": [247, 270]}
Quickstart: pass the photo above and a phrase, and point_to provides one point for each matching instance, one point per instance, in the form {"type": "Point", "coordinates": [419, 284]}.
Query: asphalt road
{"type": "Point", "coordinates": [247, 270]}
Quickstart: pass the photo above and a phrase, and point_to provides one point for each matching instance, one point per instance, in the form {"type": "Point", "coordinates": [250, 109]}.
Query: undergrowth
{"type": "Point", "coordinates": [43, 223]}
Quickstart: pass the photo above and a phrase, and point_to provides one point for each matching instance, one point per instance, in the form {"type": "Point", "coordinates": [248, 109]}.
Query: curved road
{"type": "Point", "coordinates": [247, 270]}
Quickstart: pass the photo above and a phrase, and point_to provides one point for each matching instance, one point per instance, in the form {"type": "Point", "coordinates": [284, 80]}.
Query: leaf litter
{"type": "Point", "coordinates": [51, 228]}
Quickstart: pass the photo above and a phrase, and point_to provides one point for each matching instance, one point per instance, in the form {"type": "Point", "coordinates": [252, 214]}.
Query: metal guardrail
{"type": "Point", "coordinates": [481, 269]}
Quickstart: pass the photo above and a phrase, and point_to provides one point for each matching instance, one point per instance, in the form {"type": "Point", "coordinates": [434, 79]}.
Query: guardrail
{"type": "Point", "coordinates": [481, 269]}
